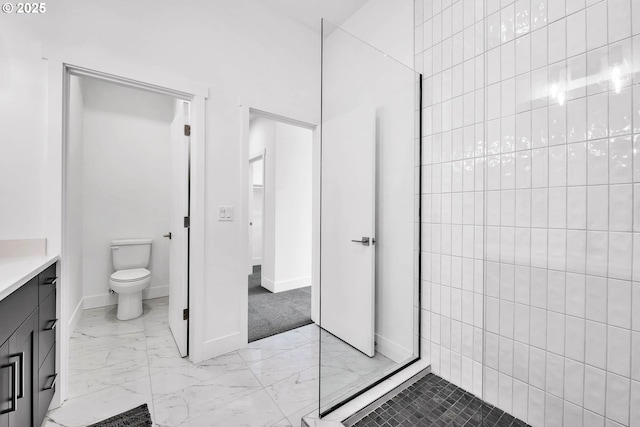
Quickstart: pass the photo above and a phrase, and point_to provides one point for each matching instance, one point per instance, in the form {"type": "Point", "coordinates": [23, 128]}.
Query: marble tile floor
{"type": "Point", "coordinates": [115, 366]}
{"type": "Point", "coordinates": [344, 370]}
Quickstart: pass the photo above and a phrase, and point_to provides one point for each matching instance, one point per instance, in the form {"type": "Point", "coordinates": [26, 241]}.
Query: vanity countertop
{"type": "Point", "coordinates": [15, 272]}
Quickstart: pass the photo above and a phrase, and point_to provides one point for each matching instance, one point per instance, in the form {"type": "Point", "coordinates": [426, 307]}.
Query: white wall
{"type": "Point", "coordinates": [23, 133]}
{"type": "Point", "coordinates": [257, 171]}
{"type": "Point", "coordinates": [211, 42]}
{"type": "Point", "coordinates": [293, 207]}
{"type": "Point", "coordinates": [385, 25]}
{"type": "Point", "coordinates": [287, 202]}
{"type": "Point", "coordinates": [262, 133]}
{"type": "Point", "coordinates": [126, 187]}
{"type": "Point", "coordinates": [74, 202]}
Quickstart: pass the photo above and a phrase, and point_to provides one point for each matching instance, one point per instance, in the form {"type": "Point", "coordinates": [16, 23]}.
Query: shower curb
{"type": "Point", "coordinates": [353, 419]}
{"type": "Point", "coordinates": [312, 419]}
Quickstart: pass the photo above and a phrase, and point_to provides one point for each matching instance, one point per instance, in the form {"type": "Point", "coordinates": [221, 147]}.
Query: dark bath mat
{"type": "Point", "coordinates": [136, 417]}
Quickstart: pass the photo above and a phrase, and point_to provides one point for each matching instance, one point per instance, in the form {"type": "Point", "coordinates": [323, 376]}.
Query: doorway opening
{"type": "Point", "coordinates": [280, 209]}
{"type": "Point", "coordinates": [126, 197]}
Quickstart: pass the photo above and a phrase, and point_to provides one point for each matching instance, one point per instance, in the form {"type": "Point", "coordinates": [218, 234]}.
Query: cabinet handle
{"type": "Point", "coordinates": [20, 357]}
{"type": "Point", "coordinates": [14, 387]}
{"type": "Point", "coordinates": [52, 281]}
{"type": "Point", "coordinates": [53, 382]}
{"type": "Point", "coordinates": [53, 324]}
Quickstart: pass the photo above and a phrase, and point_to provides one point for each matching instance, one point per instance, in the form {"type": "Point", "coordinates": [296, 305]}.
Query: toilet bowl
{"type": "Point", "coordinates": [129, 284]}
{"type": "Point", "coordinates": [130, 260]}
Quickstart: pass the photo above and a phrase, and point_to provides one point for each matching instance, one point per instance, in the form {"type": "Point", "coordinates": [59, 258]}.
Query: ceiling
{"type": "Point", "coordinates": [309, 12]}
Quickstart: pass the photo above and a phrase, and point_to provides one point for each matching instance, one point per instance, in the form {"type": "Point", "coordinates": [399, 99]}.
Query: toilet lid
{"type": "Point", "coordinates": [130, 275]}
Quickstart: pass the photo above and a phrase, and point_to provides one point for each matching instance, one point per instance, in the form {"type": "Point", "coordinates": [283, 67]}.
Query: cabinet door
{"type": "Point", "coordinates": [7, 393]}
{"type": "Point", "coordinates": [15, 308]}
{"type": "Point", "coordinates": [23, 348]}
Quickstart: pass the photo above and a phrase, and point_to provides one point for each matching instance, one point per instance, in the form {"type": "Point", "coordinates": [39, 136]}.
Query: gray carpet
{"type": "Point", "coordinates": [274, 313]}
{"type": "Point", "coordinates": [136, 417]}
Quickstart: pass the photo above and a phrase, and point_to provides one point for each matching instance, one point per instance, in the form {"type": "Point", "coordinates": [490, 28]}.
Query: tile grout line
{"type": "Point", "coordinates": [153, 407]}
{"type": "Point", "coordinates": [606, 337]}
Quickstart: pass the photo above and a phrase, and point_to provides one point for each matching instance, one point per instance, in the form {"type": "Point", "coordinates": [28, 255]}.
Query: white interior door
{"type": "Point", "coordinates": [178, 263]}
{"type": "Point", "coordinates": [256, 220]}
{"type": "Point", "coordinates": [256, 202]}
{"type": "Point", "coordinates": [348, 213]}
{"type": "Point", "coordinates": [250, 234]}
{"type": "Point", "coordinates": [254, 207]}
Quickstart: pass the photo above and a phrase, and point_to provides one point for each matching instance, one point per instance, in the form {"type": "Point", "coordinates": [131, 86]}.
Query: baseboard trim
{"type": "Point", "coordinates": [104, 300]}
{"type": "Point", "coordinates": [222, 345]}
{"type": "Point", "coordinates": [267, 284]}
{"type": "Point", "coordinates": [392, 349]}
{"type": "Point", "coordinates": [75, 317]}
{"type": "Point", "coordinates": [286, 285]}
{"type": "Point", "coordinates": [155, 292]}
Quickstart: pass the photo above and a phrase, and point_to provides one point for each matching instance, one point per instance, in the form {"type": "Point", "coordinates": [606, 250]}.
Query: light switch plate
{"type": "Point", "coordinates": [225, 213]}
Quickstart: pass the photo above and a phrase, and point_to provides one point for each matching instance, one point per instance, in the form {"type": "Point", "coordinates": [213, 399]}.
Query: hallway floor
{"type": "Point", "coordinates": [274, 313]}
{"type": "Point", "coordinates": [117, 365]}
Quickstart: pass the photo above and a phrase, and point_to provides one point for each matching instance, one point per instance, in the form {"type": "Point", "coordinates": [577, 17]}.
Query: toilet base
{"type": "Point", "coordinates": [129, 306]}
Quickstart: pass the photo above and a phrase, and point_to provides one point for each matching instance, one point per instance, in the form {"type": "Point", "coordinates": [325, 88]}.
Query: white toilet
{"type": "Point", "coordinates": [130, 260]}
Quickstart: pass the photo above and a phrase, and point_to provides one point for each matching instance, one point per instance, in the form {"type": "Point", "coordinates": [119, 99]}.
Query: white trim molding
{"type": "Point", "coordinates": [105, 300]}
{"type": "Point", "coordinates": [392, 350]}
{"type": "Point", "coordinates": [286, 285]}
{"type": "Point", "coordinates": [61, 63]}
{"type": "Point", "coordinates": [75, 317]}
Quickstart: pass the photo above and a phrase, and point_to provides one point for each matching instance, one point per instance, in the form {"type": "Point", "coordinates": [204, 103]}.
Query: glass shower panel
{"type": "Point", "coordinates": [369, 294]}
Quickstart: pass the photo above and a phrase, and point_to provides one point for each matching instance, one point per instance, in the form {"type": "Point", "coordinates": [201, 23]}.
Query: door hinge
{"type": "Point", "coordinates": [187, 222]}
{"type": "Point", "coordinates": [185, 314]}
{"type": "Point", "coordinates": [187, 130]}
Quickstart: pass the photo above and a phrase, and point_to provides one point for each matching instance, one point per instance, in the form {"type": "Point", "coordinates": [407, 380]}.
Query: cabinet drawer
{"type": "Point", "coordinates": [47, 378]}
{"type": "Point", "coordinates": [47, 322]}
{"type": "Point", "coordinates": [47, 281]}
{"type": "Point", "coordinates": [15, 308]}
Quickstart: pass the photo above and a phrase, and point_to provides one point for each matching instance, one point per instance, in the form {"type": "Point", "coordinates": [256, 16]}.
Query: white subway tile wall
{"type": "Point", "coordinates": [530, 204]}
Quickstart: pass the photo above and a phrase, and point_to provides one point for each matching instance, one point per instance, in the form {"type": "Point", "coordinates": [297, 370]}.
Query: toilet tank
{"type": "Point", "coordinates": [130, 253]}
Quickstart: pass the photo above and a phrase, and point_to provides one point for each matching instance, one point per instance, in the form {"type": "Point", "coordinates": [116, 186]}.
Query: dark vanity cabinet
{"type": "Point", "coordinates": [27, 351]}
{"type": "Point", "coordinates": [47, 323]}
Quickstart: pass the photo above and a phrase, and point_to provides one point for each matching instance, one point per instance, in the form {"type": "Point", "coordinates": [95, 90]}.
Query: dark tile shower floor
{"type": "Point", "coordinates": [432, 401]}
